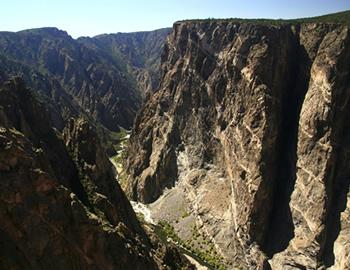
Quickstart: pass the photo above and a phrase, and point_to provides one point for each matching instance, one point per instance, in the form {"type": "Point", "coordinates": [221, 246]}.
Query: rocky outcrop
{"type": "Point", "coordinates": [45, 225]}
{"type": "Point", "coordinates": [97, 176]}
{"type": "Point", "coordinates": [20, 110]}
{"type": "Point", "coordinates": [250, 118]}
{"type": "Point", "coordinates": [60, 204]}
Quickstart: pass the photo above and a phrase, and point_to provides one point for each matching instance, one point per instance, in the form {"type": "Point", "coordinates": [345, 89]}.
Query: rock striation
{"type": "Point", "coordinates": [251, 119]}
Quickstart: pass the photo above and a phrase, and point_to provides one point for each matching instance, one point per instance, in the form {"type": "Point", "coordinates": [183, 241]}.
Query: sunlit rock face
{"type": "Point", "coordinates": [251, 120]}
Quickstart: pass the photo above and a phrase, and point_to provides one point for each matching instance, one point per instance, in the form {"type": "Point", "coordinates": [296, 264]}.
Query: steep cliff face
{"type": "Point", "coordinates": [140, 51]}
{"type": "Point", "coordinates": [60, 204]}
{"type": "Point", "coordinates": [44, 225]}
{"type": "Point", "coordinates": [322, 174]}
{"type": "Point", "coordinates": [249, 121]}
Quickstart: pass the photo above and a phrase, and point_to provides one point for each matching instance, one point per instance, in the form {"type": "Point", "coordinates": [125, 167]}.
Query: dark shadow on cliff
{"type": "Point", "coordinates": [281, 227]}
{"type": "Point", "coordinates": [339, 191]}
{"type": "Point", "coordinates": [334, 227]}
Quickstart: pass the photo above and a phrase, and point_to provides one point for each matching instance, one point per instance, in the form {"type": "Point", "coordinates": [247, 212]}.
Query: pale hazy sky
{"type": "Point", "coordinates": [89, 18]}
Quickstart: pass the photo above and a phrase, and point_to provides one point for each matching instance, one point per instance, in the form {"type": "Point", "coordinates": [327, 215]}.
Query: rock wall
{"type": "Point", "coordinates": [251, 117]}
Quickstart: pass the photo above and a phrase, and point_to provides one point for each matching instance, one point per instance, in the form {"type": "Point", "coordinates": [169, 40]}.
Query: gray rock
{"type": "Point", "coordinates": [251, 118]}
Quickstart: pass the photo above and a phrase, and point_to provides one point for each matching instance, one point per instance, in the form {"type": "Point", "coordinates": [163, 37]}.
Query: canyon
{"type": "Point", "coordinates": [248, 131]}
{"type": "Point", "coordinates": [228, 137]}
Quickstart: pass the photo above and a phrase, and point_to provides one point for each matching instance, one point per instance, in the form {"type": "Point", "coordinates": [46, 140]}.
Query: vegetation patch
{"type": "Point", "coordinates": [199, 245]}
{"type": "Point", "coordinates": [141, 218]}
{"type": "Point", "coordinates": [119, 159]}
{"type": "Point", "coordinates": [185, 214]}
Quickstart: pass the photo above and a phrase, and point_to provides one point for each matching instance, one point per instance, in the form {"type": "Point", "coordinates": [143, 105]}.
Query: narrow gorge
{"type": "Point", "coordinates": [216, 144]}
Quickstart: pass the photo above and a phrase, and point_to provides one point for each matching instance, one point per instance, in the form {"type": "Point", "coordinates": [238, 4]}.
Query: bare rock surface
{"type": "Point", "coordinates": [250, 122]}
